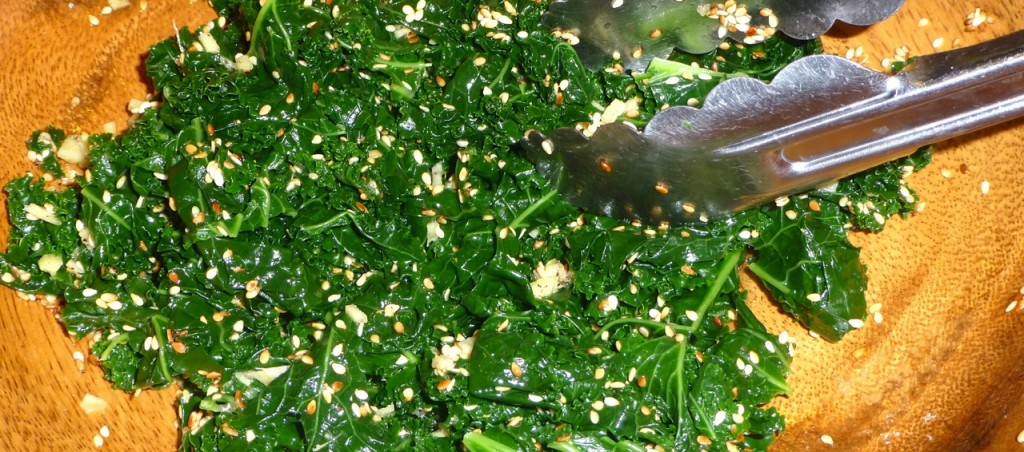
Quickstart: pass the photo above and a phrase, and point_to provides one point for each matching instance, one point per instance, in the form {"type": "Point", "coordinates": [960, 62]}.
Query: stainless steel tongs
{"type": "Point", "coordinates": [822, 118]}
{"type": "Point", "coordinates": [633, 32]}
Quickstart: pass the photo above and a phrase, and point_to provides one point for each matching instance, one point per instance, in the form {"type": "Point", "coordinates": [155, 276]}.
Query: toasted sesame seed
{"type": "Point", "coordinates": [446, 385]}
{"type": "Point", "coordinates": [265, 110]}
{"type": "Point", "coordinates": [516, 370]}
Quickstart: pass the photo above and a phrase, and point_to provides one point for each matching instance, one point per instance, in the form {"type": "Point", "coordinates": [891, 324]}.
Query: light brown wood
{"type": "Point", "coordinates": [943, 371]}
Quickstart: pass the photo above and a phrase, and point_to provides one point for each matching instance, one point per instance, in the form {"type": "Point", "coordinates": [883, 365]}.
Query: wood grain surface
{"type": "Point", "coordinates": [943, 371]}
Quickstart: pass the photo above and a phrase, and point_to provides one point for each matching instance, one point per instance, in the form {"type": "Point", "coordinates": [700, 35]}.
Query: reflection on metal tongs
{"type": "Point", "coordinates": [822, 118]}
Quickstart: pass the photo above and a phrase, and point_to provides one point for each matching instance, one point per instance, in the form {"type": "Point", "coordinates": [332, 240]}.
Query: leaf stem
{"type": "Point", "coordinates": [529, 211]}
{"type": "Point", "coordinates": [161, 343]}
{"type": "Point", "coordinates": [117, 340]}
{"type": "Point", "coordinates": [762, 273]}
{"type": "Point", "coordinates": [87, 194]}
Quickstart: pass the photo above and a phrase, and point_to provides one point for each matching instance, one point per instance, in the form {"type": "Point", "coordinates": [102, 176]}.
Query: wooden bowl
{"type": "Point", "coordinates": [944, 370]}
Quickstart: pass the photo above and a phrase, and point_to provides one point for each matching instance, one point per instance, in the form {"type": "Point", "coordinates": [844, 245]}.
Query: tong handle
{"type": "Point", "coordinates": [936, 97]}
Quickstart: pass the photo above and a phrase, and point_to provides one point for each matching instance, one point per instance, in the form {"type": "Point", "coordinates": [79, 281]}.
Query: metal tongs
{"type": "Point", "coordinates": [822, 118]}
{"type": "Point", "coordinates": [634, 32]}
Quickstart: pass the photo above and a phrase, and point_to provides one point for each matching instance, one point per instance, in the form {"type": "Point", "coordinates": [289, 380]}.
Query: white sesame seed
{"type": "Point", "coordinates": [826, 439]}
{"type": "Point", "coordinates": [878, 218]}
{"type": "Point", "coordinates": [985, 187]}
{"type": "Point", "coordinates": [719, 418]}
{"type": "Point", "coordinates": [814, 297]}
{"type": "Point", "coordinates": [856, 323]}
{"type": "Point", "coordinates": [547, 146]}
{"type": "Point", "coordinates": [105, 431]}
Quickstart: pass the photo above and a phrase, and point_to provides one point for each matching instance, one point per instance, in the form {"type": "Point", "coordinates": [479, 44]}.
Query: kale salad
{"type": "Point", "coordinates": [324, 232]}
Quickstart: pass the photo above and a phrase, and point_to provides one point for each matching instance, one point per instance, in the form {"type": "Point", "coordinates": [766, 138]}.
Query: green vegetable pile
{"type": "Point", "coordinates": [326, 235]}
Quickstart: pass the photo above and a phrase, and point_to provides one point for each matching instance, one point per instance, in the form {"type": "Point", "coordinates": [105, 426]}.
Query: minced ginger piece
{"type": "Point", "coordinates": [92, 404]}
